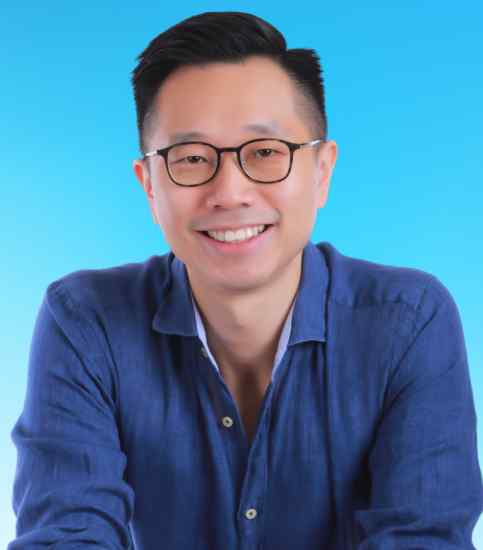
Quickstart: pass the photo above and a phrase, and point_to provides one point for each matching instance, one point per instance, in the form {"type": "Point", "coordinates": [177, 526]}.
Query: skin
{"type": "Point", "coordinates": [244, 299]}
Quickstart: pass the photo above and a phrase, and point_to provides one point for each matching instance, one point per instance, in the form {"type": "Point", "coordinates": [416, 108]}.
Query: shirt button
{"type": "Point", "coordinates": [227, 422]}
{"type": "Point", "coordinates": [204, 353]}
{"type": "Point", "coordinates": [251, 513]}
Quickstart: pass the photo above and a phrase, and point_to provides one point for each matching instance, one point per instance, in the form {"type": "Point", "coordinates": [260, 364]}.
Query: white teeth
{"type": "Point", "coordinates": [236, 235]}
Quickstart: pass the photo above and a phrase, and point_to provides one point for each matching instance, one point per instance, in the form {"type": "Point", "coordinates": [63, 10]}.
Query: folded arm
{"type": "Point", "coordinates": [426, 485]}
{"type": "Point", "coordinates": [69, 490]}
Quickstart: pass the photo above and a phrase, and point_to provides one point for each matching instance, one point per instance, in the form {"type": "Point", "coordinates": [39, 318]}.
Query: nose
{"type": "Point", "coordinates": [230, 160]}
{"type": "Point", "coordinates": [230, 187]}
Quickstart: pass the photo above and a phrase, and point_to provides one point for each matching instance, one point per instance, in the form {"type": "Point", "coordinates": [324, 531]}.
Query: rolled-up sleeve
{"type": "Point", "coordinates": [69, 489]}
{"type": "Point", "coordinates": [426, 483]}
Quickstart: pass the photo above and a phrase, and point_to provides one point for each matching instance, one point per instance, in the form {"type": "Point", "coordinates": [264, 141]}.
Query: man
{"type": "Point", "coordinates": [250, 389]}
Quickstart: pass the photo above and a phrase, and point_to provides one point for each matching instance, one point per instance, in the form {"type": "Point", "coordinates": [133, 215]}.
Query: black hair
{"type": "Point", "coordinates": [232, 37]}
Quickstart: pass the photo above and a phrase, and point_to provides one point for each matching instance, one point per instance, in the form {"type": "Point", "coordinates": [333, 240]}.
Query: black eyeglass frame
{"type": "Point", "coordinates": [219, 150]}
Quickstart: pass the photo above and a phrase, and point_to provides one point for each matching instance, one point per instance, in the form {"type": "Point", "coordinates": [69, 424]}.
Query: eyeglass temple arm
{"type": "Point", "coordinates": [313, 142]}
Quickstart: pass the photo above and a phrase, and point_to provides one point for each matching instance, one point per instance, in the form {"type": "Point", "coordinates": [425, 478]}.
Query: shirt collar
{"type": "Point", "coordinates": [282, 342]}
{"type": "Point", "coordinates": [176, 315]}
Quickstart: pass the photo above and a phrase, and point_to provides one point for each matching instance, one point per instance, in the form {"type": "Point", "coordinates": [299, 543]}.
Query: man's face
{"type": "Point", "coordinates": [218, 100]}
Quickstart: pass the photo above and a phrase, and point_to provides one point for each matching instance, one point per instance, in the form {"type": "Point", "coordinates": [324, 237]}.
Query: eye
{"type": "Point", "coordinates": [189, 157]}
{"type": "Point", "coordinates": [265, 149]}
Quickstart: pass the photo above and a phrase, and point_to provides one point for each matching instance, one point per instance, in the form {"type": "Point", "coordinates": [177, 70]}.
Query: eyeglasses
{"type": "Point", "coordinates": [262, 160]}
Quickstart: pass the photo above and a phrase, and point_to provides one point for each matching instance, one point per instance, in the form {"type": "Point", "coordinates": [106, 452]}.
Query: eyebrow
{"type": "Point", "coordinates": [273, 127]}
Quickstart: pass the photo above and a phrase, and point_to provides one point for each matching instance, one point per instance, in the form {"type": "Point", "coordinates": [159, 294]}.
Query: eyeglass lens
{"type": "Point", "coordinates": [194, 163]}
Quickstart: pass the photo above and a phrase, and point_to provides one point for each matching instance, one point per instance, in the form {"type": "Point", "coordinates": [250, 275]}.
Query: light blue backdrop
{"type": "Point", "coordinates": [404, 99]}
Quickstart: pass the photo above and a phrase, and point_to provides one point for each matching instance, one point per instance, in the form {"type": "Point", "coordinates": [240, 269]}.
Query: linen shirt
{"type": "Point", "coordinates": [366, 436]}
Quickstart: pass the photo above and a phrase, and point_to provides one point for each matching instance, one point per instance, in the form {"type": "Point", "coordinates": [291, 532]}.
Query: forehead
{"type": "Point", "coordinates": [226, 101]}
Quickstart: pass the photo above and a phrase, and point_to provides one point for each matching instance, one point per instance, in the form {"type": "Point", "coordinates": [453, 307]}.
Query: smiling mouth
{"type": "Point", "coordinates": [267, 226]}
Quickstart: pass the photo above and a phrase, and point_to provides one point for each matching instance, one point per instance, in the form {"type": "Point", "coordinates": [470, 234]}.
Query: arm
{"type": "Point", "coordinates": [426, 485]}
{"type": "Point", "coordinates": [69, 491]}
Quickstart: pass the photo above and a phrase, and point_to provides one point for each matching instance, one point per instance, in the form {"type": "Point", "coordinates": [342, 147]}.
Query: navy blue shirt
{"type": "Point", "coordinates": [366, 437]}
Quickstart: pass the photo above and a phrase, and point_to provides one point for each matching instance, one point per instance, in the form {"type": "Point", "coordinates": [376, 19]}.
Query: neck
{"type": "Point", "coordinates": [243, 330]}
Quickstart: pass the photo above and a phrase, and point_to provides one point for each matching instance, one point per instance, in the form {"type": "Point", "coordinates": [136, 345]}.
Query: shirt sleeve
{"type": "Point", "coordinates": [69, 490]}
{"type": "Point", "coordinates": [426, 483]}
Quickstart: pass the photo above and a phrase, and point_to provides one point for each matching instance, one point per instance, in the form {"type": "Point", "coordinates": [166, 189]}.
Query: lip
{"type": "Point", "coordinates": [245, 247]}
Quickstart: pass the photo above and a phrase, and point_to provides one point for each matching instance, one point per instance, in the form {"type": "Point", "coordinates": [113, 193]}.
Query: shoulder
{"type": "Point", "coordinates": [360, 283]}
{"type": "Point", "coordinates": [126, 285]}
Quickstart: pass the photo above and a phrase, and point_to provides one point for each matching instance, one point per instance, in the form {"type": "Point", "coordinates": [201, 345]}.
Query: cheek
{"type": "Point", "coordinates": [299, 195]}
{"type": "Point", "coordinates": [169, 215]}
{"type": "Point", "coordinates": [172, 207]}
{"type": "Point", "coordinates": [300, 207]}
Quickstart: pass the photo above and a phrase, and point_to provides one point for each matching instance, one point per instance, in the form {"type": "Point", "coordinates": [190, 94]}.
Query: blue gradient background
{"type": "Point", "coordinates": [404, 98]}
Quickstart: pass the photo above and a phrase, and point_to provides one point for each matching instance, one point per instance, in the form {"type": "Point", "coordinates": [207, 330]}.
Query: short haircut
{"type": "Point", "coordinates": [229, 37]}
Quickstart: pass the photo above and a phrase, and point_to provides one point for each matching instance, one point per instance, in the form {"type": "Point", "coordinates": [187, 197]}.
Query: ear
{"type": "Point", "coordinates": [326, 160]}
{"type": "Point", "coordinates": [141, 171]}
